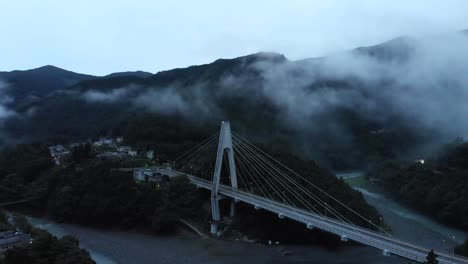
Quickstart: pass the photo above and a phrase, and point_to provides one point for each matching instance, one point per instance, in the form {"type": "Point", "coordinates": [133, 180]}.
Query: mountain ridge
{"type": "Point", "coordinates": [343, 110]}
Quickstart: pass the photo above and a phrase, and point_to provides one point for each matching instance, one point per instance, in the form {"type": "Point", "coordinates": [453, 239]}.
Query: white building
{"type": "Point", "coordinates": [149, 174]}
{"type": "Point", "coordinates": [150, 154]}
{"type": "Point", "coordinates": [125, 149]}
{"type": "Point", "coordinates": [58, 152]}
{"type": "Point", "coordinates": [11, 239]}
{"type": "Point", "coordinates": [133, 153]}
{"type": "Point", "coordinates": [103, 142]}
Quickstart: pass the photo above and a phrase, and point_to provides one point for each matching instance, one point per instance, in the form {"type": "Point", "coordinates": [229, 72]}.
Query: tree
{"type": "Point", "coordinates": [462, 249]}
{"type": "Point", "coordinates": [431, 258]}
{"type": "Point", "coordinates": [4, 225]}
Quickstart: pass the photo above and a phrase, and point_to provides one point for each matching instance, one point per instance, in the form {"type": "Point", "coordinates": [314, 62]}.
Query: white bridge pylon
{"type": "Point", "coordinates": [267, 184]}
{"type": "Point", "coordinates": [224, 148]}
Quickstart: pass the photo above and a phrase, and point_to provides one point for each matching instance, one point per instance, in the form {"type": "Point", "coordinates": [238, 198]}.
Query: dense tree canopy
{"type": "Point", "coordinates": [92, 192]}
{"type": "Point", "coordinates": [49, 249]}
{"type": "Point", "coordinates": [462, 249]}
{"type": "Point", "coordinates": [439, 187]}
{"type": "Point", "coordinates": [44, 249]}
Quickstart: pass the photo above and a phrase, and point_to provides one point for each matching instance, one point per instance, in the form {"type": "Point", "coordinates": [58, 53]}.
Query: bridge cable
{"type": "Point", "coordinates": [238, 175]}
{"type": "Point", "coordinates": [201, 148]}
{"type": "Point", "coordinates": [269, 183]}
{"type": "Point", "coordinates": [281, 181]}
{"type": "Point", "coordinates": [240, 172]}
{"type": "Point", "coordinates": [306, 180]}
{"type": "Point", "coordinates": [334, 212]}
{"type": "Point", "coordinates": [252, 162]}
{"type": "Point", "coordinates": [196, 146]}
{"type": "Point", "coordinates": [194, 151]}
{"type": "Point", "coordinates": [206, 161]}
{"type": "Point", "coordinates": [252, 179]}
{"type": "Point", "coordinates": [207, 164]}
{"type": "Point", "coordinates": [296, 184]}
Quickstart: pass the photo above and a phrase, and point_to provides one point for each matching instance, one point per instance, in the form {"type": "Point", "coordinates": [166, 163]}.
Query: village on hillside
{"type": "Point", "coordinates": [144, 164]}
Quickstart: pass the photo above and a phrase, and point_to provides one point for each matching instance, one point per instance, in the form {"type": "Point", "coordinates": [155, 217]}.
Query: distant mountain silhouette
{"type": "Point", "coordinates": [39, 82]}
{"type": "Point", "coordinates": [29, 86]}
{"type": "Point", "coordinates": [266, 96]}
{"type": "Point", "coordinates": [141, 74]}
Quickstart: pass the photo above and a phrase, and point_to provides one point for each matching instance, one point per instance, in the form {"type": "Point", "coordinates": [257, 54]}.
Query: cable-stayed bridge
{"type": "Point", "coordinates": [233, 168]}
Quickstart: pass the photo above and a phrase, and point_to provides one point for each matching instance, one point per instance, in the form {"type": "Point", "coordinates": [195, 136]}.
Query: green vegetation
{"type": "Point", "coordinates": [49, 249]}
{"type": "Point", "coordinates": [462, 249]}
{"type": "Point", "coordinates": [200, 97]}
{"type": "Point", "coordinates": [89, 192]}
{"type": "Point", "coordinates": [431, 258]}
{"type": "Point", "coordinates": [4, 225]}
{"type": "Point", "coordinates": [45, 248]}
{"type": "Point", "coordinates": [439, 187]}
{"type": "Point", "coordinates": [336, 188]}
{"type": "Point", "coordinates": [96, 195]}
{"type": "Point", "coordinates": [135, 163]}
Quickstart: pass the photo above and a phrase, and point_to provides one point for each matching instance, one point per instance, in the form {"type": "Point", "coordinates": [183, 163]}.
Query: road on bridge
{"type": "Point", "coordinates": [346, 231]}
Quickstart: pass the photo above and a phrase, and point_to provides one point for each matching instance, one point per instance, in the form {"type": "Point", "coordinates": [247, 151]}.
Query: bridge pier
{"type": "Point", "coordinates": [224, 148]}
{"type": "Point", "coordinates": [232, 209]}
{"type": "Point", "coordinates": [214, 228]}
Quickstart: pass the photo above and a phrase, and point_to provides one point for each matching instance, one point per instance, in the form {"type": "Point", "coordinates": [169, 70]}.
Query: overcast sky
{"type": "Point", "coordinates": [104, 36]}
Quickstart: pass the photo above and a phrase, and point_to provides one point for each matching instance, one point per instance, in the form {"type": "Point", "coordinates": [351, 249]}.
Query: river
{"type": "Point", "coordinates": [410, 225]}
{"type": "Point", "coordinates": [111, 247]}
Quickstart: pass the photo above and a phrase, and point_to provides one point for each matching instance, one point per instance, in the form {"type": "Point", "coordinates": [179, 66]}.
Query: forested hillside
{"type": "Point", "coordinates": [90, 191]}
{"type": "Point", "coordinates": [439, 187]}
{"type": "Point", "coordinates": [346, 110]}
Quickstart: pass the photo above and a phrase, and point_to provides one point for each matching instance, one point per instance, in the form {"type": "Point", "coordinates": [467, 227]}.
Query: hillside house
{"type": "Point", "coordinates": [102, 142]}
{"type": "Point", "coordinates": [150, 174]}
{"type": "Point", "coordinates": [58, 153]}
{"type": "Point", "coordinates": [11, 239]}
{"type": "Point", "coordinates": [124, 149]}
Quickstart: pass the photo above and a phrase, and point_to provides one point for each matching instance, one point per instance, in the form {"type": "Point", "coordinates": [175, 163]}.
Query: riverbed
{"type": "Point", "coordinates": [111, 247]}
{"type": "Point", "coordinates": [408, 224]}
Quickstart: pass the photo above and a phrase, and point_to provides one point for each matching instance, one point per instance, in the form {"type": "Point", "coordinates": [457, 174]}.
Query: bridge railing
{"type": "Point", "coordinates": [359, 234]}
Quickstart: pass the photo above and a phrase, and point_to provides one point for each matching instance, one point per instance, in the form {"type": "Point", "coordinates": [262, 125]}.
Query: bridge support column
{"type": "Point", "coordinates": [224, 147]}
{"type": "Point", "coordinates": [214, 228]}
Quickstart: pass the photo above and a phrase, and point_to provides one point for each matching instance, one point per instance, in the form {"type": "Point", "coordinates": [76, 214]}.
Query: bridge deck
{"type": "Point", "coordinates": [352, 232]}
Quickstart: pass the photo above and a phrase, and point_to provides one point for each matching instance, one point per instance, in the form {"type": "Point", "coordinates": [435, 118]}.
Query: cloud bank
{"type": "Point", "coordinates": [424, 81]}
{"type": "Point", "coordinates": [407, 86]}
{"type": "Point", "coordinates": [5, 101]}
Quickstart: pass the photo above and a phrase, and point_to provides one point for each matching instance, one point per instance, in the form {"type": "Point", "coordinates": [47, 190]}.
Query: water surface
{"type": "Point", "coordinates": [409, 225]}
{"type": "Point", "coordinates": [109, 247]}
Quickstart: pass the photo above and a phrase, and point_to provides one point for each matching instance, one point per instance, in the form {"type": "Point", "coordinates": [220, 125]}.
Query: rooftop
{"type": "Point", "coordinates": [13, 237]}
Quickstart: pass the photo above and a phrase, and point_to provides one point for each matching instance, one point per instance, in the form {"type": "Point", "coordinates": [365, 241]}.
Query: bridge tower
{"type": "Point", "coordinates": [224, 148]}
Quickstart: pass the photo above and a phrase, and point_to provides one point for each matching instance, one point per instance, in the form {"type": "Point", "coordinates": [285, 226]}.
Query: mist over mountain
{"type": "Point", "coordinates": [397, 98]}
